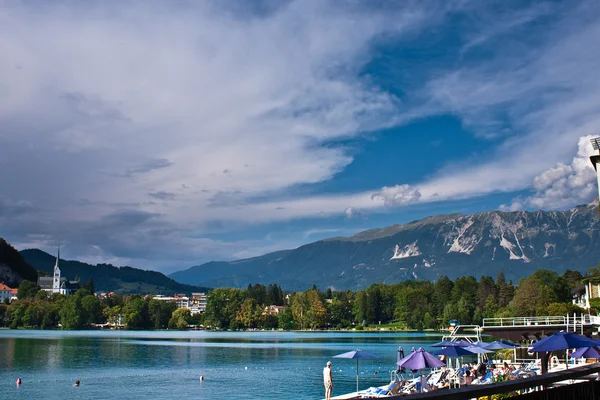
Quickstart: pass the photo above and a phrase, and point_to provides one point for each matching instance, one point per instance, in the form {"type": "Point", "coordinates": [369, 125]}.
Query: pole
{"type": "Point", "coordinates": [357, 375]}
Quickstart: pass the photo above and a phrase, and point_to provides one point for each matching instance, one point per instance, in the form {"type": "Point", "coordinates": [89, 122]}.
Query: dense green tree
{"type": "Point", "coordinates": [71, 315]}
{"type": "Point", "coordinates": [486, 288]}
{"type": "Point", "coordinates": [249, 314]}
{"type": "Point", "coordinates": [27, 290]}
{"type": "Point", "coordinates": [442, 293]}
{"type": "Point", "coordinates": [135, 313]}
{"type": "Point", "coordinates": [286, 319]}
{"type": "Point", "coordinates": [359, 308]}
{"type": "Point", "coordinates": [180, 319]}
{"type": "Point", "coordinates": [160, 312]}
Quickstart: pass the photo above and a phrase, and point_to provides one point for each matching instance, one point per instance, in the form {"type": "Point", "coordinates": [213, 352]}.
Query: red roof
{"type": "Point", "coordinates": [4, 287]}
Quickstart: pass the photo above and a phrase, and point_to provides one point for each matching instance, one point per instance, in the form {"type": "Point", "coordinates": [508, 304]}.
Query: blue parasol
{"type": "Point", "coordinates": [586, 352]}
{"type": "Point", "coordinates": [356, 354]}
{"type": "Point", "coordinates": [562, 341]}
{"type": "Point", "coordinates": [454, 351]}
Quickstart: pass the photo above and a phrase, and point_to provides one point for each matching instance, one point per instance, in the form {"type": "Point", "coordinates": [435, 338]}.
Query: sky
{"type": "Point", "coordinates": [164, 134]}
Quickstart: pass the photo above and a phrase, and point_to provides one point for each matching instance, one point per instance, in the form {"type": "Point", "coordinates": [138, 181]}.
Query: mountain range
{"type": "Point", "coordinates": [485, 243]}
{"type": "Point", "coordinates": [107, 277]}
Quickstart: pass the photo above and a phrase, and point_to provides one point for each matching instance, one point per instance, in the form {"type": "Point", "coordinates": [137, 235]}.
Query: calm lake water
{"type": "Point", "coordinates": [165, 365]}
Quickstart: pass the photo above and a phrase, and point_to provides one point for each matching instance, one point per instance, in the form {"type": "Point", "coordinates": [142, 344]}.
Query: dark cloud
{"type": "Point", "coordinates": [162, 195]}
{"type": "Point", "coordinates": [146, 167]}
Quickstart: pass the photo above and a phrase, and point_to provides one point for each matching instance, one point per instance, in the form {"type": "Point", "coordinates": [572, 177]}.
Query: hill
{"type": "Point", "coordinates": [13, 267]}
{"type": "Point", "coordinates": [108, 278]}
{"type": "Point", "coordinates": [484, 243]}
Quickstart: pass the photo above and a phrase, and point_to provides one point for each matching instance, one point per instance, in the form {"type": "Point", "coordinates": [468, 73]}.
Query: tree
{"type": "Point", "coordinates": [71, 316]}
{"type": "Point", "coordinates": [442, 292]}
{"type": "Point", "coordinates": [249, 314]}
{"type": "Point", "coordinates": [360, 307]}
{"type": "Point", "coordinates": [89, 286]}
{"type": "Point", "coordinates": [485, 289]}
{"type": "Point", "coordinates": [135, 313]}
{"type": "Point", "coordinates": [27, 290]}
{"type": "Point", "coordinates": [180, 319]}
{"type": "Point", "coordinates": [92, 309]}
{"type": "Point", "coordinates": [160, 312]}
{"type": "Point", "coordinates": [505, 291]}
{"type": "Point", "coordinates": [285, 319]}
{"type": "Point", "coordinates": [317, 314]}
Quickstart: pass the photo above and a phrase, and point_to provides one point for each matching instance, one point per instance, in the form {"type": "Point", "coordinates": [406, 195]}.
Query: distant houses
{"type": "Point", "coordinates": [56, 283]}
{"type": "Point", "coordinates": [196, 304]}
{"type": "Point", "coordinates": [7, 293]}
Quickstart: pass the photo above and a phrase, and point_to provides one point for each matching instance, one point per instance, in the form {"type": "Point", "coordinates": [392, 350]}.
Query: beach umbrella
{"type": "Point", "coordinates": [586, 352]}
{"type": "Point", "coordinates": [477, 350]}
{"type": "Point", "coordinates": [445, 343]}
{"type": "Point", "coordinates": [462, 343]}
{"type": "Point", "coordinates": [356, 355]}
{"type": "Point", "coordinates": [500, 345]}
{"type": "Point", "coordinates": [454, 351]}
{"type": "Point", "coordinates": [562, 341]}
{"type": "Point", "coordinates": [420, 359]}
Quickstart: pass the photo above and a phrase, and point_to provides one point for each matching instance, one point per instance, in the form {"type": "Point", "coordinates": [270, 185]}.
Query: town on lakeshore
{"type": "Point", "coordinates": [300, 199]}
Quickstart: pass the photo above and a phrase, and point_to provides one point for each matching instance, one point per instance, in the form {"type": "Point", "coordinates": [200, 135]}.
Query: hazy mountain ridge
{"type": "Point", "coordinates": [484, 243]}
{"type": "Point", "coordinates": [108, 277]}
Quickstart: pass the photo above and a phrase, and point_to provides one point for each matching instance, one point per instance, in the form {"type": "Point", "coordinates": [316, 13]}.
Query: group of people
{"type": "Point", "coordinates": [476, 373]}
{"type": "Point", "coordinates": [20, 381]}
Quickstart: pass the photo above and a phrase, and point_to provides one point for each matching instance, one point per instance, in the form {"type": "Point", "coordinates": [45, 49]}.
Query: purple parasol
{"type": "Point", "coordinates": [420, 359]}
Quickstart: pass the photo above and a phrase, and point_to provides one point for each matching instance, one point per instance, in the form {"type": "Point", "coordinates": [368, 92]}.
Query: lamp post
{"type": "Point", "coordinates": [595, 159]}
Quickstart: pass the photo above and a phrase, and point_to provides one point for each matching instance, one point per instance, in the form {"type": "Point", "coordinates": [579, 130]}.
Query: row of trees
{"type": "Point", "coordinates": [39, 309]}
{"type": "Point", "coordinates": [409, 304]}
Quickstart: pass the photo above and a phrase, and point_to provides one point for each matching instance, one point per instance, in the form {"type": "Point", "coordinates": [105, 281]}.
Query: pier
{"type": "Point", "coordinates": [518, 329]}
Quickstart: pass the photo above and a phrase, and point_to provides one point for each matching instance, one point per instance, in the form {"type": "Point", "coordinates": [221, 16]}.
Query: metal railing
{"type": "Point", "coordinates": [525, 321]}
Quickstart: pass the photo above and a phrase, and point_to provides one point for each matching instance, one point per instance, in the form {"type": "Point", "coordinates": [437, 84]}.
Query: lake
{"type": "Point", "coordinates": [168, 364]}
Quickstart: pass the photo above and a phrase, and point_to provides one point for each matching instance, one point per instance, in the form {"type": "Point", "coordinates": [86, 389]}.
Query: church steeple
{"type": "Point", "coordinates": [56, 277]}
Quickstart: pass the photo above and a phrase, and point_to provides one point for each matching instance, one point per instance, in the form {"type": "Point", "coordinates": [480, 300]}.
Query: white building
{"type": "Point", "coordinates": [7, 293]}
{"type": "Point", "coordinates": [56, 283]}
{"type": "Point", "coordinates": [197, 304]}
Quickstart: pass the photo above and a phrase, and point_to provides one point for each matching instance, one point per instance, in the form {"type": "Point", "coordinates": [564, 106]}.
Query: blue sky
{"type": "Point", "coordinates": [165, 134]}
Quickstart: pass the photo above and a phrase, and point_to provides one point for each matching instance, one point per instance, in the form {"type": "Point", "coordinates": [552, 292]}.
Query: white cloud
{"type": "Point", "coordinates": [164, 110]}
{"type": "Point", "coordinates": [191, 115]}
{"type": "Point", "coordinates": [397, 195]}
{"type": "Point", "coordinates": [563, 185]}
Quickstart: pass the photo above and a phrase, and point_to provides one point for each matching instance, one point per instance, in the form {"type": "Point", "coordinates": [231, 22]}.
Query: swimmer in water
{"type": "Point", "coordinates": [76, 383]}
{"type": "Point", "coordinates": [19, 381]}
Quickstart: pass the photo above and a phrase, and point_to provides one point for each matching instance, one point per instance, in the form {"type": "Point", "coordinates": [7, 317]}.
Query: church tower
{"type": "Point", "coordinates": [56, 280]}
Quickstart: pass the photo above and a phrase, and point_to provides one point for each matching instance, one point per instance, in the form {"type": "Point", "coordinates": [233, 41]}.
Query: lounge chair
{"type": "Point", "coordinates": [382, 391]}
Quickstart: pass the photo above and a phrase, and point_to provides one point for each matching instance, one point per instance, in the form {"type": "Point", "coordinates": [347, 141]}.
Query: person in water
{"type": "Point", "coordinates": [327, 380]}
{"type": "Point", "coordinates": [19, 381]}
{"type": "Point", "coordinates": [76, 383]}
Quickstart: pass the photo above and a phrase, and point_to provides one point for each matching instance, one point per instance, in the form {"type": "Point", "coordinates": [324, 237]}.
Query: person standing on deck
{"type": "Point", "coordinates": [327, 380]}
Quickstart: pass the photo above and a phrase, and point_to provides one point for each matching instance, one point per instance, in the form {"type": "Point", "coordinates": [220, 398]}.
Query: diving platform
{"type": "Point", "coordinates": [517, 329]}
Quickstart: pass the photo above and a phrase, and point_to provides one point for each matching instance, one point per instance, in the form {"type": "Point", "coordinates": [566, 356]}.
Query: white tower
{"type": "Point", "coordinates": [56, 280]}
